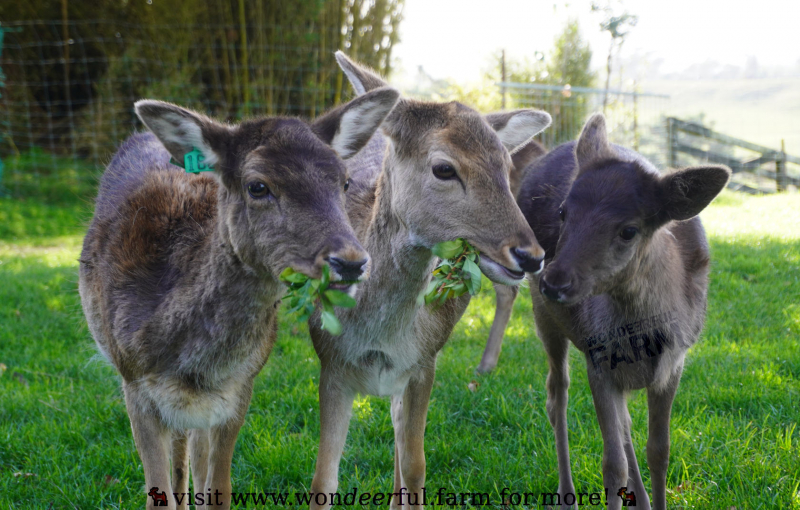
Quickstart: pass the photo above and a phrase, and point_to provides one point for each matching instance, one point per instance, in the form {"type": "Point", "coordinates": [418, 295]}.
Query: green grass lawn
{"type": "Point", "coordinates": [735, 442]}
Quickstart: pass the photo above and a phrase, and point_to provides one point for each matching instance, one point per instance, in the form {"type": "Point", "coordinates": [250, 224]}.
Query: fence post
{"type": "Point", "coordinates": [671, 143]}
{"type": "Point", "coordinates": [780, 168]}
{"type": "Point", "coordinates": [635, 119]}
{"type": "Point", "coordinates": [503, 80]}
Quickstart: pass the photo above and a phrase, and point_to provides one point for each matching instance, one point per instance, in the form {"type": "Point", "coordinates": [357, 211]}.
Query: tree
{"type": "Point", "coordinates": [230, 58]}
{"type": "Point", "coordinates": [615, 24]}
{"type": "Point", "coordinates": [567, 64]}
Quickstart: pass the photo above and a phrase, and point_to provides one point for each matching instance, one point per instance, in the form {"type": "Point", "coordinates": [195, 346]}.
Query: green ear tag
{"type": "Point", "coordinates": [194, 162]}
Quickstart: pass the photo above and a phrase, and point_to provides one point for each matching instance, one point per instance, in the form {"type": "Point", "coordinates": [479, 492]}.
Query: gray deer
{"type": "Point", "coordinates": [439, 173]}
{"type": "Point", "coordinates": [625, 280]}
{"type": "Point", "coordinates": [179, 272]}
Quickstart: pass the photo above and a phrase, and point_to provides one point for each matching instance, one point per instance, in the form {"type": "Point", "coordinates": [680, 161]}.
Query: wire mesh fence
{"type": "Point", "coordinates": [69, 88]}
{"type": "Point", "coordinates": [67, 98]}
{"type": "Point", "coordinates": [634, 119]}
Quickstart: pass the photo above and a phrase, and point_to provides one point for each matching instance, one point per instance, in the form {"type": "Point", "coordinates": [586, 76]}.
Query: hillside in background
{"type": "Point", "coordinates": [761, 111]}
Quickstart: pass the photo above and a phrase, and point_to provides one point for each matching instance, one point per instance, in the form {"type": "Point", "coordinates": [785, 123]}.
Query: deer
{"type": "Point", "coordinates": [505, 295]}
{"type": "Point", "coordinates": [626, 281]}
{"type": "Point", "coordinates": [435, 172]}
{"type": "Point", "coordinates": [179, 273]}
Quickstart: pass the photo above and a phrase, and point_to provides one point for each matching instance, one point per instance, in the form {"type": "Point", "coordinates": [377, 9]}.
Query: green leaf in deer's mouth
{"type": "Point", "coordinates": [305, 293]}
{"type": "Point", "coordinates": [457, 274]}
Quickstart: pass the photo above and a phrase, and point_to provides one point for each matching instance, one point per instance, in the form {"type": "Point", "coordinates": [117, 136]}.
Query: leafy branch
{"type": "Point", "coordinates": [457, 273]}
{"type": "Point", "coordinates": [305, 293]}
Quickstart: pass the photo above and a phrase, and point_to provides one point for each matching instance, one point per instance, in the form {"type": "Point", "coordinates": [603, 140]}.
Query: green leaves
{"type": "Point", "coordinates": [448, 249]}
{"type": "Point", "coordinates": [305, 293]}
{"type": "Point", "coordinates": [457, 274]}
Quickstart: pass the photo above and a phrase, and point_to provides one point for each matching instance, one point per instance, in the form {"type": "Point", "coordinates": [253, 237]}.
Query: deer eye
{"type": "Point", "coordinates": [562, 214]}
{"type": "Point", "coordinates": [346, 184]}
{"type": "Point", "coordinates": [628, 233]}
{"type": "Point", "coordinates": [444, 171]}
{"type": "Point", "coordinates": [257, 189]}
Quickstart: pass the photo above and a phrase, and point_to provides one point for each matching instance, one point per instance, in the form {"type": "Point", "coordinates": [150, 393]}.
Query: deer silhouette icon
{"type": "Point", "coordinates": [159, 498]}
{"type": "Point", "coordinates": [628, 498]}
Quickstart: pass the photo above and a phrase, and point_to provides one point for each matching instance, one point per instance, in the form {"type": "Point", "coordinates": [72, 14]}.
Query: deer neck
{"type": "Point", "coordinates": [225, 273]}
{"type": "Point", "coordinates": [651, 283]}
{"type": "Point", "coordinates": [401, 264]}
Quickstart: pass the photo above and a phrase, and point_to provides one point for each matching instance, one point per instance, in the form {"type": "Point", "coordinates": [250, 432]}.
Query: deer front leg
{"type": "Point", "coordinates": [412, 413]}
{"type": "Point", "coordinates": [152, 442]}
{"type": "Point", "coordinates": [396, 409]}
{"type": "Point", "coordinates": [221, 444]}
{"type": "Point", "coordinates": [335, 409]}
{"type": "Point", "coordinates": [180, 468]}
{"type": "Point", "coordinates": [659, 404]}
{"type": "Point", "coordinates": [608, 402]}
{"type": "Point", "coordinates": [199, 440]}
{"type": "Point", "coordinates": [557, 349]}
{"type": "Point", "coordinates": [505, 302]}
{"type": "Point", "coordinates": [220, 457]}
{"type": "Point", "coordinates": [635, 483]}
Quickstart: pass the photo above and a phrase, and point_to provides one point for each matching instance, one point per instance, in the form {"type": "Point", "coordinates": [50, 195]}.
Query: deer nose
{"type": "Point", "coordinates": [347, 269]}
{"type": "Point", "coordinates": [553, 292]}
{"type": "Point", "coordinates": [527, 261]}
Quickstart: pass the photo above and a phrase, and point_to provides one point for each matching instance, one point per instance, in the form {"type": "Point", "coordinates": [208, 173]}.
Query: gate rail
{"type": "Point", "coordinates": [766, 155]}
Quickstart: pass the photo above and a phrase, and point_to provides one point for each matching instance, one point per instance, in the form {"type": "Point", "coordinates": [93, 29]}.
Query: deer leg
{"type": "Point", "coordinates": [335, 409]}
{"type": "Point", "coordinates": [557, 348]}
{"type": "Point", "coordinates": [180, 468]}
{"type": "Point", "coordinates": [152, 442]}
{"type": "Point", "coordinates": [635, 483]}
{"type": "Point", "coordinates": [608, 402]}
{"type": "Point", "coordinates": [659, 403]}
{"type": "Point", "coordinates": [397, 423]}
{"type": "Point", "coordinates": [220, 457]}
{"type": "Point", "coordinates": [221, 445]}
{"type": "Point", "coordinates": [413, 410]}
{"type": "Point", "coordinates": [505, 302]}
{"type": "Point", "coordinates": [199, 441]}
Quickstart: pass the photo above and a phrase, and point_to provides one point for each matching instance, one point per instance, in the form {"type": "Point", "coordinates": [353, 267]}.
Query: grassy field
{"type": "Point", "coordinates": [65, 440]}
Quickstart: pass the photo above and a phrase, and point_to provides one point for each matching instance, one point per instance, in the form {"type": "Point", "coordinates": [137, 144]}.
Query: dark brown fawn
{"type": "Point", "coordinates": [505, 295]}
{"type": "Point", "coordinates": [440, 173]}
{"type": "Point", "coordinates": [625, 279]}
{"type": "Point", "coordinates": [179, 272]}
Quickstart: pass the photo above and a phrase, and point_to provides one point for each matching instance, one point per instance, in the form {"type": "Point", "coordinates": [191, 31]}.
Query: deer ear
{"type": "Point", "coordinates": [348, 128]}
{"type": "Point", "coordinates": [362, 78]}
{"type": "Point", "coordinates": [181, 130]}
{"type": "Point", "coordinates": [687, 192]}
{"type": "Point", "coordinates": [516, 128]}
{"type": "Point", "coordinates": [593, 143]}
{"type": "Point", "coordinates": [527, 154]}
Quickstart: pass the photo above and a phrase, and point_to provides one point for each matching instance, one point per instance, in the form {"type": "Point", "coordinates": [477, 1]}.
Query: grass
{"type": "Point", "coordinates": [65, 440]}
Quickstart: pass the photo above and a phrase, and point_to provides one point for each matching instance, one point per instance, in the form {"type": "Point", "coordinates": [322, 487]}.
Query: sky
{"type": "Point", "coordinates": [455, 38]}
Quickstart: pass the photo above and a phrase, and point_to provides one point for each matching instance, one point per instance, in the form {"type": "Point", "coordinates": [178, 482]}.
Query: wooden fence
{"type": "Point", "coordinates": [678, 144]}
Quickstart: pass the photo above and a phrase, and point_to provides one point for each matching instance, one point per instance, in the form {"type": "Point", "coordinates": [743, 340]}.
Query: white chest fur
{"type": "Point", "coordinates": [183, 407]}
{"type": "Point", "coordinates": [384, 352]}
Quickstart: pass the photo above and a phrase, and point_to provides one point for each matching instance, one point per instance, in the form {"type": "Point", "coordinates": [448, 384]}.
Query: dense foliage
{"type": "Point", "coordinates": [75, 68]}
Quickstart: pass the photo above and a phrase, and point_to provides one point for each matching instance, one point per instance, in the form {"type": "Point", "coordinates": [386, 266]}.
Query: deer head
{"type": "Point", "coordinates": [448, 170]}
{"type": "Point", "coordinates": [281, 199]}
{"type": "Point", "coordinates": [612, 211]}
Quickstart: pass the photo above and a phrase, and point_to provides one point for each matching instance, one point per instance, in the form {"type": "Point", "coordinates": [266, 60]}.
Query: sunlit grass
{"type": "Point", "coordinates": [735, 441]}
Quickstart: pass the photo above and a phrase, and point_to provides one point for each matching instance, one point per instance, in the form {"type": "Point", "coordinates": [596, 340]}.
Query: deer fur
{"type": "Point", "coordinates": [179, 272]}
{"type": "Point", "coordinates": [400, 210]}
{"type": "Point", "coordinates": [522, 160]}
{"type": "Point", "coordinates": [632, 306]}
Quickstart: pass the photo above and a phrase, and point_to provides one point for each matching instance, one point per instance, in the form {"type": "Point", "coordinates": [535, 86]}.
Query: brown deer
{"type": "Point", "coordinates": [179, 272]}
{"type": "Point", "coordinates": [625, 280]}
{"type": "Point", "coordinates": [440, 173]}
{"type": "Point", "coordinates": [505, 295]}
